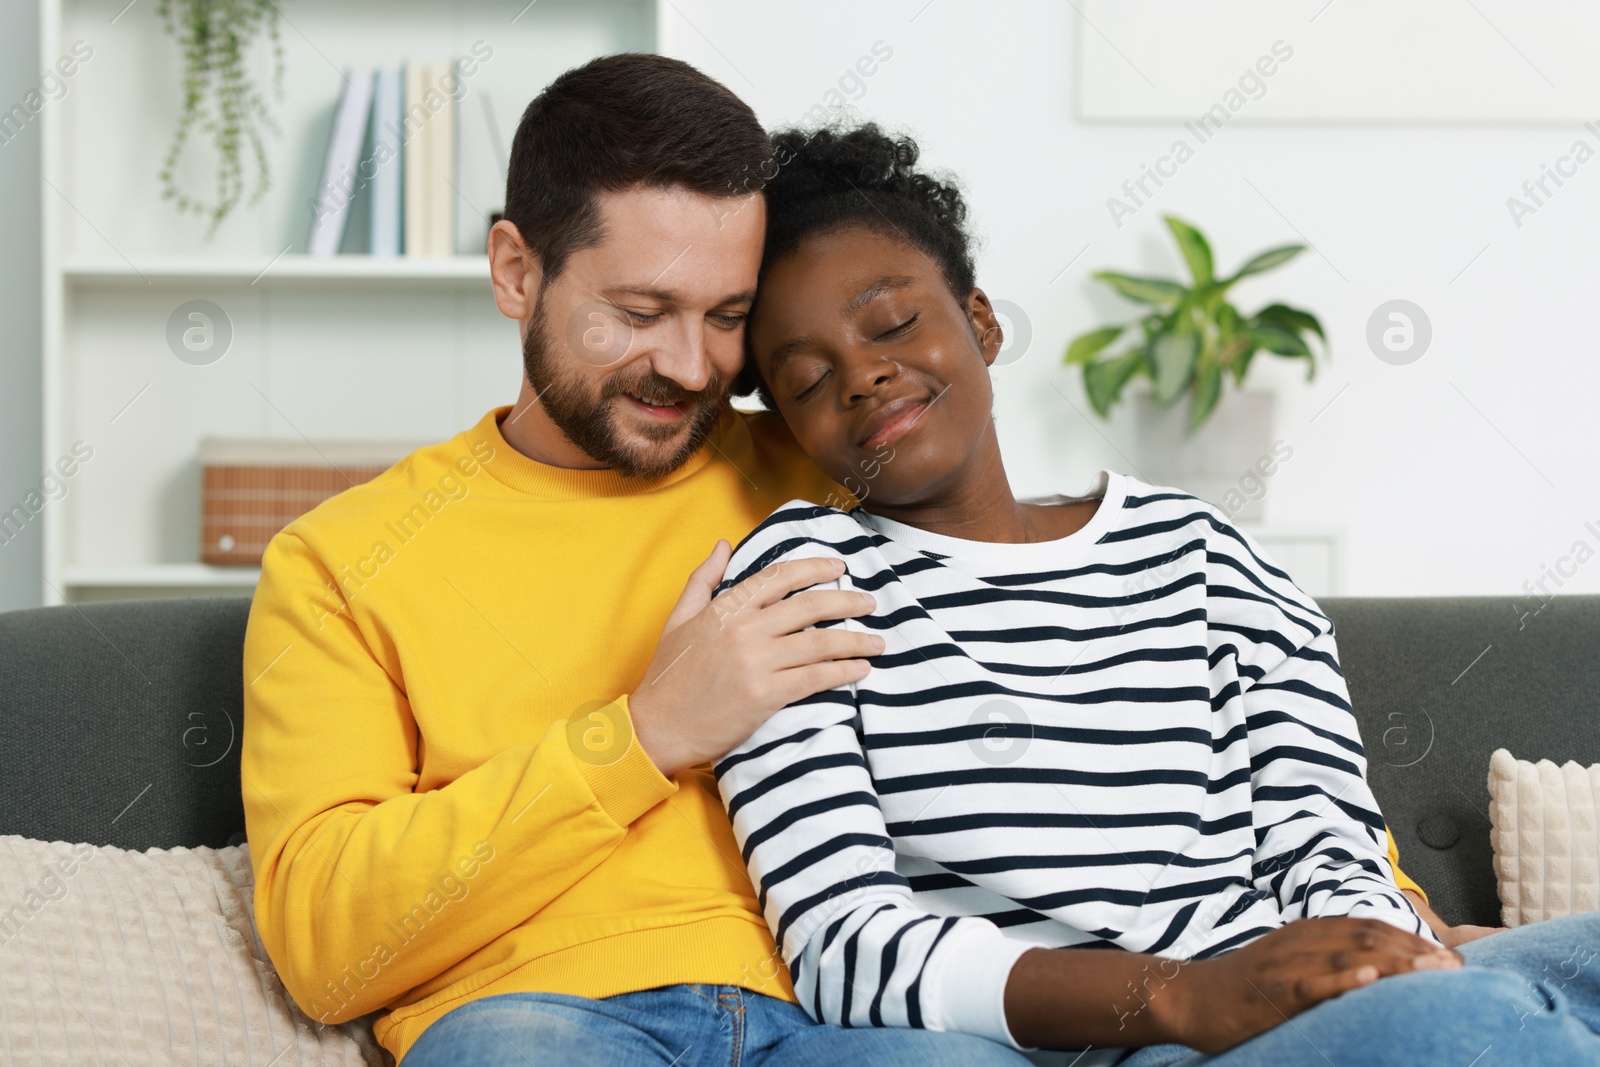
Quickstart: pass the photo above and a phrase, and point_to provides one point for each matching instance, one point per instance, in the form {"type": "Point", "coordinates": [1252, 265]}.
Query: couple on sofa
{"type": "Point", "coordinates": [919, 773]}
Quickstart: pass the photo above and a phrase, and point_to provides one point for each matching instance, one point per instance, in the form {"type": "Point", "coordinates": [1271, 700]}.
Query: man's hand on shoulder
{"type": "Point", "coordinates": [722, 668]}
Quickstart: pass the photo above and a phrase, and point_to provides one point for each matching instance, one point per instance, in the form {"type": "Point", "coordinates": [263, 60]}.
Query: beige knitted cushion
{"type": "Point", "coordinates": [117, 957]}
{"type": "Point", "coordinates": [1546, 837]}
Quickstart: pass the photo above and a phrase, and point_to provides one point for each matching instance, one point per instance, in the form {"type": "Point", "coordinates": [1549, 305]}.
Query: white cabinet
{"type": "Point", "coordinates": [348, 347]}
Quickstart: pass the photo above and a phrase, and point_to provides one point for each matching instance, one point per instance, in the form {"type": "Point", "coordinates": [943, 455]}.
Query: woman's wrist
{"type": "Point", "coordinates": [1070, 998]}
{"type": "Point", "coordinates": [1175, 1014]}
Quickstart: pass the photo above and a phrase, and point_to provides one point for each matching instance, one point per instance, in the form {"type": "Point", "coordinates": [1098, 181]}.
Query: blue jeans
{"type": "Point", "coordinates": [680, 1025]}
{"type": "Point", "coordinates": [1531, 994]}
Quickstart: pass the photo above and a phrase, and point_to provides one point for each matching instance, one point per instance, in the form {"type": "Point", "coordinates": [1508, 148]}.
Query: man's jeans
{"type": "Point", "coordinates": [680, 1025]}
{"type": "Point", "coordinates": [1529, 996]}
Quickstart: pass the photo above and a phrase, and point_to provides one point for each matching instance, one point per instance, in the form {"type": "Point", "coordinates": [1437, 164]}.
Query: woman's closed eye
{"type": "Point", "coordinates": [895, 331]}
{"type": "Point", "coordinates": [812, 388]}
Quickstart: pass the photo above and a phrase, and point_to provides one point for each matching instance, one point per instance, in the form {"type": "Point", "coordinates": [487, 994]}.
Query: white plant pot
{"type": "Point", "coordinates": [1219, 461]}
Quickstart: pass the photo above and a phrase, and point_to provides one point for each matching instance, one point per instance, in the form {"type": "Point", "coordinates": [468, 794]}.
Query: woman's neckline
{"type": "Point", "coordinates": [1107, 486]}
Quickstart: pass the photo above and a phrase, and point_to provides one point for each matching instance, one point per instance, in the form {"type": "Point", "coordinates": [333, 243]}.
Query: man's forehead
{"type": "Point", "coordinates": [675, 244]}
{"type": "Point", "coordinates": [678, 210]}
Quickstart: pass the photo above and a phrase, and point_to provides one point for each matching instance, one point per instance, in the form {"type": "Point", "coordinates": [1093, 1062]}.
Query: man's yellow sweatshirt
{"type": "Point", "coordinates": [442, 793]}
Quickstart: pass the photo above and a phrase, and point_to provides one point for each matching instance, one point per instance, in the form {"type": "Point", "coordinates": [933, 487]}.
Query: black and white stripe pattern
{"type": "Point", "coordinates": [1137, 736]}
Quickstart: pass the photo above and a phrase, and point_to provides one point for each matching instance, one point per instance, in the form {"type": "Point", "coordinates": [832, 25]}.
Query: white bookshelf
{"type": "Point", "coordinates": [177, 575]}
{"type": "Point", "coordinates": [346, 347]}
{"type": "Point", "coordinates": [286, 268]}
{"type": "Point", "coordinates": [84, 584]}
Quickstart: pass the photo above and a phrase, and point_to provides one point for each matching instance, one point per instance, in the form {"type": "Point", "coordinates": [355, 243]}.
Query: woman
{"type": "Point", "coordinates": [1106, 755]}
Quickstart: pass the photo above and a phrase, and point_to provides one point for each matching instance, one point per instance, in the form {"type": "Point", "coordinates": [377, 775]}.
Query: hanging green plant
{"type": "Point", "coordinates": [219, 97]}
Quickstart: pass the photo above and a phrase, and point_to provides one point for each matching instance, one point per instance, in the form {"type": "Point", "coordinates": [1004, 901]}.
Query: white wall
{"type": "Point", "coordinates": [19, 307]}
{"type": "Point", "coordinates": [1464, 472]}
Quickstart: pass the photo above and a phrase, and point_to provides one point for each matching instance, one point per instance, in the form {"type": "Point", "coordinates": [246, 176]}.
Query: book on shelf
{"type": "Point", "coordinates": [331, 208]}
{"type": "Point", "coordinates": [429, 125]}
{"type": "Point", "coordinates": [387, 99]}
{"type": "Point", "coordinates": [408, 185]}
{"type": "Point", "coordinates": [480, 181]}
{"type": "Point", "coordinates": [442, 158]}
{"type": "Point", "coordinates": [413, 160]}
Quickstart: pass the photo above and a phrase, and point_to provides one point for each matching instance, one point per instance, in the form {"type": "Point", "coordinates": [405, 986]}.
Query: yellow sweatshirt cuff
{"type": "Point", "coordinates": [628, 785]}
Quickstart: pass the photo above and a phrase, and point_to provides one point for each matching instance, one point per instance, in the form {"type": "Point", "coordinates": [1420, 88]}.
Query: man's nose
{"type": "Point", "coordinates": [682, 356]}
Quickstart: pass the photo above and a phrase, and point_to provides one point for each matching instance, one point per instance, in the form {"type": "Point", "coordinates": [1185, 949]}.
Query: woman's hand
{"type": "Point", "coordinates": [1072, 997]}
{"type": "Point", "coordinates": [1225, 1001]}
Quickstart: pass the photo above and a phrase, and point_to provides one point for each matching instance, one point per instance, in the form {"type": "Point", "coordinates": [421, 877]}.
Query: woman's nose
{"type": "Point", "coordinates": [871, 376]}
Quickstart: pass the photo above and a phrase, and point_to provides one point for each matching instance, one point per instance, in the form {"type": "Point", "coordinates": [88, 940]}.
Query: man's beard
{"type": "Point", "coordinates": [590, 421]}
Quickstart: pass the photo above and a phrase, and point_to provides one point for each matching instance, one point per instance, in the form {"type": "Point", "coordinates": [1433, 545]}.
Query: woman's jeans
{"type": "Point", "coordinates": [1528, 997]}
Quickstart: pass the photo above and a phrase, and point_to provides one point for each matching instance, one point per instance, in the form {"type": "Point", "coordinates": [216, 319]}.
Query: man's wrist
{"type": "Point", "coordinates": [612, 759]}
{"type": "Point", "coordinates": [659, 747]}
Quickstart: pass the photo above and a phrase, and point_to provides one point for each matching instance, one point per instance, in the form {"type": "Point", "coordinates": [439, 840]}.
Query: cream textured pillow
{"type": "Point", "coordinates": [1546, 838]}
{"type": "Point", "coordinates": [110, 956]}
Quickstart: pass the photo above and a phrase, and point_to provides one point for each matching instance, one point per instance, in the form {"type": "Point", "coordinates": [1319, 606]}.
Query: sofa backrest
{"type": "Point", "coordinates": [1437, 685]}
{"type": "Point", "coordinates": [120, 723]}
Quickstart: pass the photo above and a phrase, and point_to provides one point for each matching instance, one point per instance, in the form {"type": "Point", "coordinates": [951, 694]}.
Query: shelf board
{"type": "Point", "coordinates": [163, 576]}
{"type": "Point", "coordinates": [285, 268]}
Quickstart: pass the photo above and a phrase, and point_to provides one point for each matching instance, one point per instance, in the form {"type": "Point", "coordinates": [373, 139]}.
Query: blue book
{"type": "Point", "coordinates": [387, 147]}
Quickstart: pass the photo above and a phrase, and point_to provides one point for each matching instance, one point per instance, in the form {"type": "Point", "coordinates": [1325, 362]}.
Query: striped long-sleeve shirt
{"type": "Point", "coordinates": [1134, 736]}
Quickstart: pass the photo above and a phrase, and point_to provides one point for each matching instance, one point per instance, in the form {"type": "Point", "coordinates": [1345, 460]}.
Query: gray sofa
{"type": "Point", "coordinates": [120, 722]}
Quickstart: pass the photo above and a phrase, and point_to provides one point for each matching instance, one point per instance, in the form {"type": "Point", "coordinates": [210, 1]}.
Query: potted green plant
{"type": "Point", "coordinates": [1188, 341]}
{"type": "Point", "coordinates": [219, 96]}
{"type": "Point", "coordinates": [1192, 336]}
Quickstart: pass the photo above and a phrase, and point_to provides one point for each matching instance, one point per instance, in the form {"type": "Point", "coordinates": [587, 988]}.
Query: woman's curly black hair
{"type": "Point", "coordinates": [831, 178]}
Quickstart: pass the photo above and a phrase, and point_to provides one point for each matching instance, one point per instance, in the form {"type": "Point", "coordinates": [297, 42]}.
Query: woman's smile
{"type": "Point", "coordinates": [891, 421]}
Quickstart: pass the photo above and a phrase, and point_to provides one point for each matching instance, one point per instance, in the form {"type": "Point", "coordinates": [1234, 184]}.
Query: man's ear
{"type": "Point", "coordinates": [985, 326]}
{"type": "Point", "coordinates": [514, 272]}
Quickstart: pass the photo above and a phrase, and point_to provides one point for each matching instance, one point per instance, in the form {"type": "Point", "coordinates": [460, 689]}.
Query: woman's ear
{"type": "Point", "coordinates": [985, 326]}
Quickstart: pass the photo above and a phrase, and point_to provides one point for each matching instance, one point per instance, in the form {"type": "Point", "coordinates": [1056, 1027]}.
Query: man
{"type": "Point", "coordinates": [474, 765]}
{"type": "Point", "coordinates": [480, 699]}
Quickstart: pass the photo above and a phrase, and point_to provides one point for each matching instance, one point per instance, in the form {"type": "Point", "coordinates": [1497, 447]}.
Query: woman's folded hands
{"type": "Point", "coordinates": [1071, 998]}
